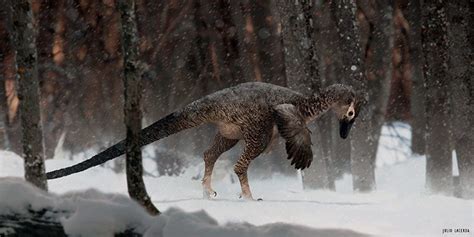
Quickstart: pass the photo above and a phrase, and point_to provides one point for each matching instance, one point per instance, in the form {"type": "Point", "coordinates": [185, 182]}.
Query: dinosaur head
{"type": "Point", "coordinates": [345, 110]}
{"type": "Point", "coordinates": [347, 104]}
{"type": "Point", "coordinates": [345, 123]}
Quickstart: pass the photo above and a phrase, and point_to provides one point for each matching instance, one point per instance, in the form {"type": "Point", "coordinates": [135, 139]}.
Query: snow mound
{"type": "Point", "coordinates": [93, 213]}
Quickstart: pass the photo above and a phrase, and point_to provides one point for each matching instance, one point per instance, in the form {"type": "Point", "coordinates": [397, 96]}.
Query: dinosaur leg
{"type": "Point", "coordinates": [254, 146]}
{"type": "Point", "coordinates": [219, 146]}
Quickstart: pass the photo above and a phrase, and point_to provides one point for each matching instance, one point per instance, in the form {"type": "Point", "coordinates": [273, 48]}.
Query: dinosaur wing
{"type": "Point", "coordinates": [292, 128]}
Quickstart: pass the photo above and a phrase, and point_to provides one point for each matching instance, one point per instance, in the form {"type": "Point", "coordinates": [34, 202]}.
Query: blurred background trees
{"type": "Point", "coordinates": [190, 48]}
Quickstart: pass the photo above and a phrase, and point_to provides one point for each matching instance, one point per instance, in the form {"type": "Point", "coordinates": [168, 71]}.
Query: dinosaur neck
{"type": "Point", "coordinates": [314, 106]}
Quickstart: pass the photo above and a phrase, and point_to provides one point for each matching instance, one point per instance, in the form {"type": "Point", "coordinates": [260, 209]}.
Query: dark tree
{"type": "Point", "coordinates": [462, 92]}
{"type": "Point", "coordinates": [242, 64]}
{"type": "Point", "coordinates": [4, 142]}
{"type": "Point", "coordinates": [10, 129]}
{"type": "Point", "coordinates": [417, 99]}
{"type": "Point", "coordinates": [24, 38]}
{"type": "Point", "coordinates": [332, 72]}
{"type": "Point", "coordinates": [436, 75]}
{"type": "Point", "coordinates": [377, 45]}
{"type": "Point", "coordinates": [314, 24]}
{"type": "Point", "coordinates": [132, 107]}
{"type": "Point", "coordinates": [302, 74]}
{"type": "Point", "coordinates": [250, 39]}
{"type": "Point", "coordinates": [301, 65]}
{"type": "Point", "coordinates": [362, 167]}
{"type": "Point", "coordinates": [269, 42]}
{"type": "Point", "coordinates": [379, 73]}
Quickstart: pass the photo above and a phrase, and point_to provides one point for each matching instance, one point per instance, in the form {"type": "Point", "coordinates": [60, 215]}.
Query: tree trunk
{"type": "Point", "coordinates": [325, 131]}
{"type": "Point", "coordinates": [331, 57]}
{"type": "Point", "coordinates": [435, 49]}
{"type": "Point", "coordinates": [251, 40]}
{"type": "Point", "coordinates": [269, 42]}
{"type": "Point", "coordinates": [362, 168]}
{"type": "Point", "coordinates": [132, 106]}
{"type": "Point", "coordinates": [298, 47]}
{"type": "Point", "coordinates": [324, 123]}
{"type": "Point", "coordinates": [24, 37]}
{"type": "Point", "coordinates": [302, 74]}
{"type": "Point", "coordinates": [462, 88]}
{"type": "Point", "coordinates": [7, 79]}
{"type": "Point", "coordinates": [232, 35]}
{"type": "Point", "coordinates": [417, 99]}
{"type": "Point", "coordinates": [10, 102]}
{"type": "Point", "coordinates": [243, 61]}
{"type": "Point", "coordinates": [46, 19]}
{"type": "Point", "coordinates": [4, 43]}
{"type": "Point", "coordinates": [4, 143]}
{"type": "Point", "coordinates": [379, 72]}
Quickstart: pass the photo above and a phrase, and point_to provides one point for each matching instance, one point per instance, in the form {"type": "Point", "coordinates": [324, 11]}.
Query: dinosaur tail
{"type": "Point", "coordinates": [173, 123]}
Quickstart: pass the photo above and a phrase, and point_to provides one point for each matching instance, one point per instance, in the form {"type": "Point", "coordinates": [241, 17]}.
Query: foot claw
{"type": "Point", "coordinates": [209, 194]}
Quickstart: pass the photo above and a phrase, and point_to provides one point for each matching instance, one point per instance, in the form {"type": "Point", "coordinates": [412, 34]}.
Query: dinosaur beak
{"type": "Point", "coordinates": [345, 127]}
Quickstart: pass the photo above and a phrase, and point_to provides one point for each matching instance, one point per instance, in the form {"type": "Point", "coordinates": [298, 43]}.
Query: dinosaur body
{"type": "Point", "coordinates": [253, 112]}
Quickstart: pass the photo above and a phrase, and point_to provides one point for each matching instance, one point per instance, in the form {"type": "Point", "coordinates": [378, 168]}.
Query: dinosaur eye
{"type": "Point", "coordinates": [351, 113]}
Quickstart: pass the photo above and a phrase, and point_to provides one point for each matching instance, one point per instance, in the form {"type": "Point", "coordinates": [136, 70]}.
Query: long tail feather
{"type": "Point", "coordinates": [169, 125]}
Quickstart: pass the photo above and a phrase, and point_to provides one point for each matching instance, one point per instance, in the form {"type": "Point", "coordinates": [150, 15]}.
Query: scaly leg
{"type": "Point", "coordinates": [219, 146]}
{"type": "Point", "coordinates": [254, 146]}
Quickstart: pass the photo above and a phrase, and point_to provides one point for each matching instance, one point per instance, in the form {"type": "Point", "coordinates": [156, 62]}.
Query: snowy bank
{"type": "Point", "coordinates": [26, 210]}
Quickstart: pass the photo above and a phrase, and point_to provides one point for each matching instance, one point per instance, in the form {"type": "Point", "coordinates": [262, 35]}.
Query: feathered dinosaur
{"type": "Point", "coordinates": [254, 112]}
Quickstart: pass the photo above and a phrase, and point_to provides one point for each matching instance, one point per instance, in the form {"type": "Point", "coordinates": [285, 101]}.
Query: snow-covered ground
{"type": "Point", "coordinates": [92, 213]}
{"type": "Point", "coordinates": [399, 207]}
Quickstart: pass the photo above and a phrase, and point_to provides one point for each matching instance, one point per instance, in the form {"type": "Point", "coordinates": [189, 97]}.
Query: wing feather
{"type": "Point", "coordinates": [292, 128]}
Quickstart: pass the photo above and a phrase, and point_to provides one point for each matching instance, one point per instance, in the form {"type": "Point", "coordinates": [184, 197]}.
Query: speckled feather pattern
{"type": "Point", "coordinates": [251, 109]}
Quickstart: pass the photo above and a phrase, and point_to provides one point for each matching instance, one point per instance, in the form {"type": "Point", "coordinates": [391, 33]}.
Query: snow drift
{"type": "Point", "coordinates": [93, 213]}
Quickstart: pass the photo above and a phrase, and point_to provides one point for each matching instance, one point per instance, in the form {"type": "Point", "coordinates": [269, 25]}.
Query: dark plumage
{"type": "Point", "coordinates": [254, 112]}
{"type": "Point", "coordinates": [292, 128]}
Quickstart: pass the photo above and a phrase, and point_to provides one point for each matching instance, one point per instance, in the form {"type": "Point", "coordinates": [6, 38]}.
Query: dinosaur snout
{"type": "Point", "coordinates": [345, 127]}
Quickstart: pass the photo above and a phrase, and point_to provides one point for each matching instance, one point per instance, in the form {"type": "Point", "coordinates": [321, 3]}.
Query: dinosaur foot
{"type": "Point", "coordinates": [209, 194]}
